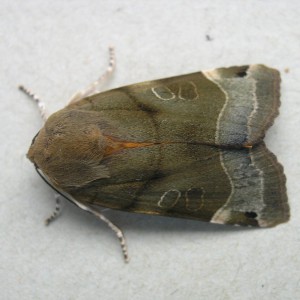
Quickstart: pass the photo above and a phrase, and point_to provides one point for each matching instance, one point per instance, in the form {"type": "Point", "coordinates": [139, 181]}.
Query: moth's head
{"type": "Point", "coordinates": [69, 149]}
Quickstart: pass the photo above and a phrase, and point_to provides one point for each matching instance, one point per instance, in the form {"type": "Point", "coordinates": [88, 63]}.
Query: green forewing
{"type": "Point", "coordinates": [221, 107]}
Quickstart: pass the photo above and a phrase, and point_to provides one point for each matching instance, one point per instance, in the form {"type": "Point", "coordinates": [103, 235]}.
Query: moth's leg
{"type": "Point", "coordinates": [94, 87]}
{"type": "Point", "coordinates": [40, 104]}
{"type": "Point", "coordinates": [111, 225]}
{"type": "Point", "coordinates": [56, 211]}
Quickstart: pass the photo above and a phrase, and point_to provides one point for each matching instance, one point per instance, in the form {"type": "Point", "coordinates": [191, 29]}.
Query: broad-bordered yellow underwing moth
{"type": "Point", "coordinates": [189, 146]}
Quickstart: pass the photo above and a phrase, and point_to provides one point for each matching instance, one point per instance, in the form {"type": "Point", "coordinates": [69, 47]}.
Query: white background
{"type": "Point", "coordinates": [57, 47]}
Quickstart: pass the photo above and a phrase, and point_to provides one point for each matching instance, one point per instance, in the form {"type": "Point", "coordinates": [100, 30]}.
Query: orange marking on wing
{"type": "Point", "coordinates": [248, 146]}
{"type": "Point", "coordinates": [114, 146]}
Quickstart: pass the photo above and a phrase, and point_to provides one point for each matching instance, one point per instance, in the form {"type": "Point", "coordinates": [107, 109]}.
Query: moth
{"type": "Point", "coordinates": [189, 146]}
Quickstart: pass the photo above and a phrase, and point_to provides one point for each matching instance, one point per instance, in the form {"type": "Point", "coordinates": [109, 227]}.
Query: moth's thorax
{"type": "Point", "coordinates": [69, 148]}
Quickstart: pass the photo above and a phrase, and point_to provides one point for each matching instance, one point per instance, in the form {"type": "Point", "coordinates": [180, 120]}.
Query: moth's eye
{"type": "Point", "coordinates": [33, 140]}
{"type": "Point", "coordinates": [251, 214]}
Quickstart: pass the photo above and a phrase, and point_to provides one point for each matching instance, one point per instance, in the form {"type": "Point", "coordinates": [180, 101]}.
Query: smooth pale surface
{"type": "Point", "coordinates": [55, 49]}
